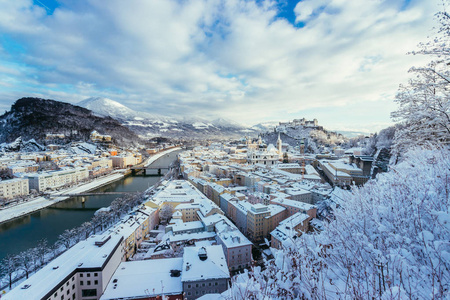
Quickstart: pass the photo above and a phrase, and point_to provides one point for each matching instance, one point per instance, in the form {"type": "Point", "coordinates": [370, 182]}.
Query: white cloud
{"type": "Point", "coordinates": [230, 58]}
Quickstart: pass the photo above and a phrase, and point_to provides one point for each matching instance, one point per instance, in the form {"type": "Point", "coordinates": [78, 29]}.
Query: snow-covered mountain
{"type": "Point", "coordinates": [151, 125]}
{"type": "Point", "coordinates": [107, 107]}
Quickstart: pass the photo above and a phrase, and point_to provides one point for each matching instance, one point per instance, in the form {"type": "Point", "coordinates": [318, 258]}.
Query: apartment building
{"type": "Point", "coordinates": [343, 173]}
{"type": "Point", "coordinates": [82, 272]}
{"type": "Point", "coordinates": [237, 248]}
{"type": "Point", "coordinates": [204, 271]}
{"type": "Point", "coordinates": [22, 167]}
{"type": "Point", "coordinates": [51, 180]}
{"type": "Point", "coordinates": [122, 162]}
{"type": "Point", "coordinates": [13, 188]}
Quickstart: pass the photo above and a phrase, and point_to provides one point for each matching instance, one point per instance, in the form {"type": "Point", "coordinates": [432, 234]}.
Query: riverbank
{"type": "Point", "coordinates": [38, 203]}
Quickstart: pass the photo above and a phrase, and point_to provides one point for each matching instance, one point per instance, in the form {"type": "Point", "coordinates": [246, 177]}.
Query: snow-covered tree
{"type": "Point", "coordinates": [165, 213]}
{"type": "Point", "coordinates": [9, 267]}
{"type": "Point", "coordinates": [85, 230]}
{"type": "Point", "coordinates": [424, 103]}
{"type": "Point", "coordinates": [42, 249]}
{"type": "Point", "coordinates": [389, 239]}
{"type": "Point", "coordinates": [25, 261]}
{"type": "Point", "coordinates": [67, 238]}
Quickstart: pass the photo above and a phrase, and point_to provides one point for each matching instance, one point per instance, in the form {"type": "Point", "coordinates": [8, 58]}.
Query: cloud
{"type": "Point", "coordinates": [236, 59]}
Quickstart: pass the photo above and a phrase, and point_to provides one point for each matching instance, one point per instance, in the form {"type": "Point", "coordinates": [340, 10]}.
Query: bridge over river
{"type": "Point", "coordinates": [87, 194]}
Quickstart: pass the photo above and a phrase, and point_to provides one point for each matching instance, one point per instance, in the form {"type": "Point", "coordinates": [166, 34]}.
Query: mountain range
{"type": "Point", "coordinates": [152, 125]}
{"type": "Point", "coordinates": [34, 118]}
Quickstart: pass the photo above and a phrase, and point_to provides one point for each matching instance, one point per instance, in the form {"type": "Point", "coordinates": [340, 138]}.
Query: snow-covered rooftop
{"type": "Point", "coordinates": [146, 278]}
{"type": "Point", "coordinates": [293, 203]}
{"type": "Point", "coordinates": [230, 236]}
{"type": "Point", "coordinates": [84, 254]}
{"type": "Point", "coordinates": [213, 267]}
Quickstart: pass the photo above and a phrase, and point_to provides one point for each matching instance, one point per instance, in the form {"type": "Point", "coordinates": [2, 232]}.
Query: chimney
{"type": "Point", "coordinates": [202, 253]}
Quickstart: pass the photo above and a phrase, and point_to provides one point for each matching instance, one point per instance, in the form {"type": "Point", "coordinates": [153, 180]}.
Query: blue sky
{"type": "Point", "coordinates": [250, 61]}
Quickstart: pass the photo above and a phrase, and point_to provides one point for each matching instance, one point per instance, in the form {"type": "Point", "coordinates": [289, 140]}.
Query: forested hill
{"type": "Point", "coordinates": [34, 118]}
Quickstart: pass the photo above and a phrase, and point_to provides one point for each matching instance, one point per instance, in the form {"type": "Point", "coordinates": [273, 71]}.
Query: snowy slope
{"type": "Point", "coordinates": [108, 107]}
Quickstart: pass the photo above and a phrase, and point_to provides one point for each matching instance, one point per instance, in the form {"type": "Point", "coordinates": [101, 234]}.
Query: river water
{"type": "Point", "coordinates": [23, 233]}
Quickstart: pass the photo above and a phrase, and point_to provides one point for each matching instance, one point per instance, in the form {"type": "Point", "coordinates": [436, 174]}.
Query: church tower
{"type": "Point", "coordinates": [279, 144]}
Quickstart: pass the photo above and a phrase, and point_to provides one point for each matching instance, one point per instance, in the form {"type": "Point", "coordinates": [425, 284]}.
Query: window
{"type": "Point", "coordinates": [73, 286]}
{"type": "Point", "coordinates": [89, 282]}
{"type": "Point", "coordinates": [189, 293]}
{"type": "Point", "coordinates": [89, 293]}
{"type": "Point", "coordinates": [209, 284]}
{"type": "Point", "coordinates": [95, 274]}
{"type": "Point", "coordinates": [62, 297]}
{"type": "Point", "coordinates": [215, 283]}
{"type": "Point", "coordinates": [61, 288]}
{"type": "Point", "coordinates": [189, 286]}
{"type": "Point", "coordinates": [68, 292]}
{"type": "Point", "coordinates": [73, 296]}
{"type": "Point", "coordinates": [67, 283]}
{"type": "Point", "coordinates": [81, 274]}
{"type": "Point", "coordinates": [88, 274]}
{"type": "Point", "coordinates": [203, 284]}
{"type": "Point", "coordinates": [56, 294]}
{"type": "Point", "coordinates": [81, 282]}
{"type": "Point", "coordinates": [95, 281]}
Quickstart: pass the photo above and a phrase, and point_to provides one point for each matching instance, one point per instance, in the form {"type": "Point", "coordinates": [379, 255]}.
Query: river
{"type": "Point", "coordinates": [23, 233]}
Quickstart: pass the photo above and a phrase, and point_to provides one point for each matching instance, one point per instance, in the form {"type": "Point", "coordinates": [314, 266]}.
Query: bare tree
{"type": "Point", "coordinates": [8, 267]}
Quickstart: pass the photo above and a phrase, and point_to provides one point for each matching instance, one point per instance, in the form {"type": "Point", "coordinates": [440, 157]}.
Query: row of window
{"type": "Point", "coordinates": [203, 284]}
{"type": "Point", "coordinates": [88, 282]}
{"type": "Point", "coordinates": [55, 295]}
{"type": "Point", "coordinates": [203, 292]}
{"type": "Point", "coordinates": [88, 274]}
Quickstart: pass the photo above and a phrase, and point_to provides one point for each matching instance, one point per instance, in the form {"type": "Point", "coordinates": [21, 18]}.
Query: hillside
{"type": "Point", "coordinates": [33, 118]}
{"type": "Point", "coordinates": [313, 137]}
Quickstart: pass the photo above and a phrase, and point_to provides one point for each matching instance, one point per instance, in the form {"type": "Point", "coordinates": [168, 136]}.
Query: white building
{"type": "Point", "coordinates": [13, 188]}
{"type": "Point", "coordinates": [81, 273]}
{"type": "Point", "coordinates": [55, 179]}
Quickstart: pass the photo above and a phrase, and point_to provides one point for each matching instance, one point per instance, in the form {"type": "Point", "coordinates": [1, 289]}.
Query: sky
{"type": "Point", "coordinates": [340, 61]}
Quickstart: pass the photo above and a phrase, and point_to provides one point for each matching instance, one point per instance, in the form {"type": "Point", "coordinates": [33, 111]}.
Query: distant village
{"type": "Point", "coordinates": [229, 204]}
